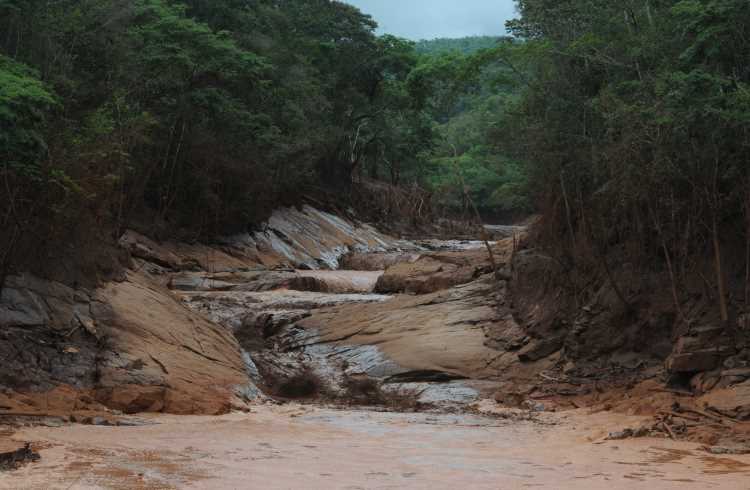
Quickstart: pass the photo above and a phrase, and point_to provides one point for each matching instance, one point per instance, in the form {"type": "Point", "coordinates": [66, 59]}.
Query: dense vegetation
{"type": "Point", "coordinates": [188, 115]}
{"type": "Point", "coordinates": [634, 122]}
{"type": "Point", "coordinates": [463, 45]}
{"type": "Point", "coordinates": [201, 116]}
{"type": "Point", "coordinates": [470, 96]}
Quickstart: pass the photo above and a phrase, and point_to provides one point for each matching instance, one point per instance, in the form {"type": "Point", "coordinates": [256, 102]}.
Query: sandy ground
{"type": "Point", "coordinates": [294, 447]}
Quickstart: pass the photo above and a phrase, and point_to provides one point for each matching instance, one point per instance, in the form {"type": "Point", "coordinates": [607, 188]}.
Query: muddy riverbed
{"type": "Point", "coordinates": [302, 447]}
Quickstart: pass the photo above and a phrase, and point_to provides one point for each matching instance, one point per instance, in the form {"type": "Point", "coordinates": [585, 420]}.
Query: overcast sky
{"type": "Point", "coordinates": [428, 19]}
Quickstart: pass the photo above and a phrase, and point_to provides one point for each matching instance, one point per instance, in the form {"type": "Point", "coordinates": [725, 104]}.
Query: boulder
{"type": "Point", "coordinates": [434, 271]}
{"type": "Point", "coordinates": [161, 356]}
{"type": "Point", "coordinates": [339, 282]}
{"type": "Point", "coordinates": [540, 348]}
{"type": "Point", "coordinates": [147, 249]}
{"type": "Point", "coordinates": [694, 362]}
{"type": "Point", "coordinates": [424, 276]}
{"type": "Point", "coordinates": [131, 343]}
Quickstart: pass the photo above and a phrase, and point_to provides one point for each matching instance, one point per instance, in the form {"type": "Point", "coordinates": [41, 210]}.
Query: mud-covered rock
{"type": "Point", "coordinates": [358, 261]}
{"type": "Point", "coordinates": [540, 348]}
{"type": "Point", "coordinates": [47, 335]}
{"type": "Point", "coordinates": [144, 248]}
{"type": "Point", "coordinates": [309, 238]}
{"type": "Point", "coordinates": [704, 382]}
{"type": "Point", "coordinates": [698, 352]}
{"type": "Point", "coordinates": [436, 271]}
{"type": "Point", "coordinates": [130, 342]}
{"type": "Point", "coordinates": [160, 356]}
{"type": "Point", "coordinates": [27, 301]}
{"type": "Point", "coordinates": [733, 401]}
{"type": "Point", "coordinates": [424, 276]}
{"type": "Point", "coordinates": [445, 332]}
{"type": "Point", "coordinates": [693, 362]}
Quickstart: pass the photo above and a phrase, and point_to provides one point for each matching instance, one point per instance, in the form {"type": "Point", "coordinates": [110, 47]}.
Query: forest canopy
{"type": "Point", "coordinates": [203, 116]}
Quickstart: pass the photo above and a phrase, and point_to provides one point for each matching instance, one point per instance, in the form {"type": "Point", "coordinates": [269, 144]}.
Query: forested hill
{"type": "Point", "coordinates": [199, 117]}
{"type": "Point", "coordinates": [463, 45]}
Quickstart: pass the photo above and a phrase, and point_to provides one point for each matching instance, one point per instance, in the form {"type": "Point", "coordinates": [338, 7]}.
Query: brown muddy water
{"type": "Point", "coordinates": [301, 447]}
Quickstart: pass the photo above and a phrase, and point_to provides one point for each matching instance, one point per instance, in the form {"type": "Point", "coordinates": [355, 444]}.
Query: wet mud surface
{"type": "Point", "coordinates": [294, 446]}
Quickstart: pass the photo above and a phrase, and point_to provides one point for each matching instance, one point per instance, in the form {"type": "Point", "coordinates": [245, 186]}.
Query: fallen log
{"type": "Point", "coordinates": [715, 418]}
{"type": "Point", "coordinates": [680, 415]}
{"type": "Point", "coordinates": [669, 431]}
{"type": "Point", "coordinates": [24, 414]}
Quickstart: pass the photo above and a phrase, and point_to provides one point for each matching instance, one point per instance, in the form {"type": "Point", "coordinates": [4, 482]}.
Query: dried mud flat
{"type": "Point", "coordinates": [294, 446]}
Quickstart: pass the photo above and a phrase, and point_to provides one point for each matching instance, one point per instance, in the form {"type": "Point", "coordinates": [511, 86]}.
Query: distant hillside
{"type": "Point", "coordinates": [465, 45]}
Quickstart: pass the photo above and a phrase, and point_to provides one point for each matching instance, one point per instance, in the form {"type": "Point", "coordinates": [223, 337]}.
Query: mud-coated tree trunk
{"type": "Point", "coordinates": [719, 272]}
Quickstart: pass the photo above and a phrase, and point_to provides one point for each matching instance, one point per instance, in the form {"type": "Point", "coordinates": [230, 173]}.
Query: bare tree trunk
{"type": "Point", "coordinates": [719, 272]}
{"type": "Point", "coordinates": [469, 200]}
{"type": "Point", "coordinates": [7, 256]}
{"type": "Point", "coordinates": [602, 255]}
{"type": "Point", "coordinates": [670, 268]}
{"type": "Point", "coordinates": [718, 269]}
{"type": "Point", "coordinates": [747, 255]}
{"type": "Point", "coordinates": [567, 210]}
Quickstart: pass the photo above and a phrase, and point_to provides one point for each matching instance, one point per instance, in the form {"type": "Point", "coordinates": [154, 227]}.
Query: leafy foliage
{"type": "Point", "coordinates": [201, 114]}
{"type": "Point", "coordinates": [195, 116]}
{"type": "Point", "coordinates": [634, 125]}
{"type": "Point", "coordinates": [24, 102]}
{"type": "Point", "coordinates": [469, 98]}
{"type": "Point", "coordinates": [464, 45]}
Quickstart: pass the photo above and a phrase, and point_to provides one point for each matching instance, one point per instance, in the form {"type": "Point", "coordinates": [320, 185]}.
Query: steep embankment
{"type": "Point", "coordinates": [620, 346]}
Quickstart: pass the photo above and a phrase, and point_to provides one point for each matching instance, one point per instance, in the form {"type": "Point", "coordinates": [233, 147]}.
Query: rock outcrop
{"type": "Point", "coordinates": [462, 332]}
{"type": "Point", "coordinates": [160, 356]}
{"type": "Point", "coordinates": [438, 270]}
{"type": "Point", "coordinates": [132, 345]}
{"type": "Point", "coordinates": [301, 238]}
{"type": "Point", "coordinates": [129, 345]}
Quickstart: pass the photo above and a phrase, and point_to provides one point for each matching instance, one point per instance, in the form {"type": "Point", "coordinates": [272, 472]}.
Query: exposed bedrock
{"type": "Point", "coordinates": [298, 238]}
{"type": "Point", "coordinates": [437, 270]}
{"type": "Point", "coordinates": [129, 345]}
{"type": "Point", "coordinates": [132, 345]}
{"type": "Point", "coordinates": [450, 345]}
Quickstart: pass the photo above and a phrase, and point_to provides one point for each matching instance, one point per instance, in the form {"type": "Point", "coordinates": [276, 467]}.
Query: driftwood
{"type": "Point", "coordinates": [706, 415]}
{"type": "Point", "coordinates": [669, 430]}
{"type": "Point", "coordinates": [681, 415]}
{"type": "Point", "coordinates": [24, 414]}
{"type": "Point", "coordinates": [674, 392]}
